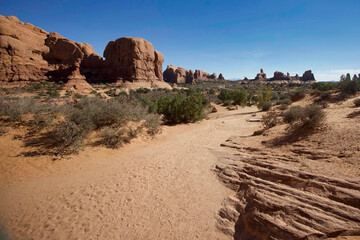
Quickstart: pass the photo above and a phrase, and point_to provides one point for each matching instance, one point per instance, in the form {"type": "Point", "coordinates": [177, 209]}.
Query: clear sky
{"type": "Point", "coordinates": [236, 37]}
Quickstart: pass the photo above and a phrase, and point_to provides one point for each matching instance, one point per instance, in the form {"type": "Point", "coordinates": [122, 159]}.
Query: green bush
{"type": "Point", "coordinates": [182, 108]}
{"type": "Point", "coordinates": [349, 86]}
{"type": "Point", "coordinates": [211, 91]}
{"type": "Point", "coordinates": [239, 97]}
{"type": "Point", "coordinates": [264, 96]}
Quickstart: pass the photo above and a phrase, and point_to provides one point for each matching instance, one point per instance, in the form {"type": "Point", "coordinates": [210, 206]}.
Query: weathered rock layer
{"type": "Point", "coordinates": [275, 200]}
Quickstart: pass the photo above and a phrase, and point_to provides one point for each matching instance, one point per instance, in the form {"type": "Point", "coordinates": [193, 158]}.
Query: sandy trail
{"type": "Point", "coordinates": [159, 189]}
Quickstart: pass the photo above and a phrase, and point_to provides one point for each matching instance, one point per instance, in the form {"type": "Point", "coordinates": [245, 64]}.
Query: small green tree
{"type": "Point", "coordinates": [264, 96]}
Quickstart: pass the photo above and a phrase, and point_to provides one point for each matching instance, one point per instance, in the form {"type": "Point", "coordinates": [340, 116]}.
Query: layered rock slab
{"type": "Point", "coordinates": [277, 200]}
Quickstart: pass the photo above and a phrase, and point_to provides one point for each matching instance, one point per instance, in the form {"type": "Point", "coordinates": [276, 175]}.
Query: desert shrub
{"type": "Point", "coordinates": [284, 96]}
{"type": "Point", "coordinates": [78, 95]}
{"type": "Point", "coordinates": [270, 120]}
{"type": "Point", "coordinates": [115, 138]}
{"type": "Point", "coordinates": [357, 102]}
{"type": "Point", "coordinates": [298, 95]}
{"type": "Point", "coordinates": [94, 113]}
{"type": "Point", "coordinates": [151, 105]}
{"type": "Point", "coordinates": [323, 104]}
{"type": "Point", "coordinates": [325, 95]}
{"type": "Point", "coordinates": [311, 116]}
{"type": "Point", "coordinates": [266, 106]}
{"type": "Point", "coordinates": [152, 124]}
{"type": "Point", "coordinates": [42, 120]}
{"type": "Point", "coordinates": [286, 101]}
{"type": "Point", "coordinates": [321, 86]}
{"type": "Point", "coordinates": [294, 114]}
{"type": "Point", "coordinates": [143, 90]}
{"type": "Point", "coordinates": [314, 116]}
{"type": "Point", "coordinates": [211, 91]}
{"type": "Point", "coordinates": [227, 103]}
{"type": "Point", "coordinates": [53, 94]}
{"type": "Point", "coordinates": [182, 108]}
{"type": "Point", "coordinates": [66, 137]}
{"type": "Point", "coordinates": [283, 106]}
{"type": "Point", "coordinates": [15, 108]}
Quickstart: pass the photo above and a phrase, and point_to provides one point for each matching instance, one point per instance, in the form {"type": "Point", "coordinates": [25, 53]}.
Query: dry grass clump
{"type": "Point", "coordinates": [270, 120]}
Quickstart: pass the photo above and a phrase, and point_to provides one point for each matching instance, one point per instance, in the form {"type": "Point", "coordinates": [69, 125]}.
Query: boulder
{"type": "Point", "coordinates": [308, 76]}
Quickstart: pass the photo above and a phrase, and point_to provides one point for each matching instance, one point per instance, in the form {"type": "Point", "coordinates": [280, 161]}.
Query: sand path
{"type": "Point", "coordinates": [158, 189]}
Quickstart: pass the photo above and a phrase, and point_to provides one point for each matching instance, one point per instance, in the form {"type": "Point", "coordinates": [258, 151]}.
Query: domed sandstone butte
{"type": "Point", "coordinates": [28, 53]}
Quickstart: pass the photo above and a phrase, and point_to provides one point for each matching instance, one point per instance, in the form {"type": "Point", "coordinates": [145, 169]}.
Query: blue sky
{"type": "Point", "coordinates": [236, 38]}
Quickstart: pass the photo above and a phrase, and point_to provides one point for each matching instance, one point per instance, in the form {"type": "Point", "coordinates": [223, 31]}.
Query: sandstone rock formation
{"type": "Point", "coordinates": [221, 77]}
{"type": "Point", "coordinates": [308, 76]}
{"type": "Point", "coordinates": [28, 53]}
{"type": "Point", "coordinates": [277, 199]}
{"type": "Point", "coordinates": [132, 59]}
{"type": "Point", "coordinates": [199, 74]}
{"type": "Point", "coordinates": [174, 74]}
{"type": "Point", "coordinates": [261, 75]}
{"type": "Point", "coordinates": [280, 77]}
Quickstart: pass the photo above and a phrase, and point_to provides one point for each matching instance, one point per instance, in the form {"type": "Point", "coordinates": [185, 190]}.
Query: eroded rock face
{"type": "Point", "coordinates": [221, 77]}
{"type": "Point", "coordinates": [21, 51]}
{"type": "Point", "coordinates": [261, 75]}
{"type": "Point", "coordinates": [132, 59]}
{"type": "Point", "coordinates": [201, 75]}
{"type": "Point", "coordinates": [174, 74]}
{"type": "Point", "coordinates": [281, 76]}
{"type": "Point", "coordinates": [28, 53]}
{"type": "Point", "coordinates": [277, 199]}
{"type": "Point", "coordinates": [308, 76]}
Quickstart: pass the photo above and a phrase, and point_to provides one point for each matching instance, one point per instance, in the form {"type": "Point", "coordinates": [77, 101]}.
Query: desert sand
{"type": "Point", "coordinates": [164, 188]}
